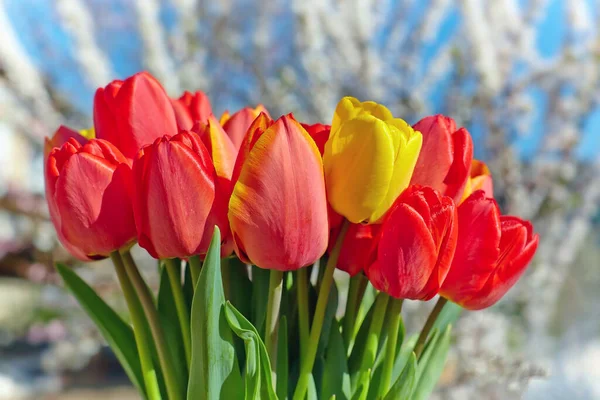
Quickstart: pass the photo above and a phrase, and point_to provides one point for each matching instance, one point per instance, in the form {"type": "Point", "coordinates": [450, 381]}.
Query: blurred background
{"type": "Point", "coordinates": [522, 75]}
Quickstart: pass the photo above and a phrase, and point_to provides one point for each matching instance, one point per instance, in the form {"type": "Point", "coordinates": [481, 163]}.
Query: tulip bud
{"type": "Point", "coordinates": [237, 124]}
{"type": "Point", "coordinates": [133, 113]}
{"type": "Point", "coordinates": [174, 190]}
{"type": "Point", "coordinates": [480, 179]}
{"type": "Point", "coordinates": [357, 246]}
{"type": "Point", "coordinates": [62, 136]}
{"type": "Point", "coordinates": [88, 194]}
{"type": "Point", "coordinates": [191, 108]}
{"type": "Point", "coordinates": [319, 133]}
{"type": "Point", "coordinates": [223, 156]}
{"type": "Point", "coordinates": [278, 209]}
{"type": "Point", "coordinates": [492, 253]}
{"type": "Point", "coordinates": [445, 159]}
{"type": "Point", "coordinates": [369, 159]}
{"type": "Point", "coordinates": [415, 245]}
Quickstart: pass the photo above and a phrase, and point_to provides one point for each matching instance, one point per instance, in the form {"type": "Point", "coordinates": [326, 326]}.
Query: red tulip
{"type": "Point", "coordinates": [191, 108]}
{"type": "Point", "coordinates": [223, 155]}
{"type": "Point", "coordinates": [445, 159]}
{"type": "Point", "coordinates": [319, 133]}
{"type": "Point", "coordinates": [278, 209]}
{"type": "Point", "coordinates": [88, 194]}
{"type": "Point", "coordinates": [133, 113]}
{"type": "Point", "coordinates": [492, 253]}
{"type": "Point", "coordinates": [356, 250]}
{"type": "Point", "coordinates": [62, 136]}
{"type": "Point", "coordinates": [415, 245]}
{"type": "Point", "coordinates": [174, 190]}
{"type": "Point", "coordinates": [237, 124]}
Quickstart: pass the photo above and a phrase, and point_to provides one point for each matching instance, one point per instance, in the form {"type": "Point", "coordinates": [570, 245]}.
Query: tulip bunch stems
{"type": "Point", "coordinates": [195, 267]}
{"type": "Point", "coordinates": [175, 390]}
{"type": "Point", "coordinates": [272, 322]}
{"type": "Point", "coordinates": [394, 312]}
{"type": "Point", "coordinates": [140, 328]}
{"type": "Point", "coordinates": [173, 272]}
{"type": "Point", "coordinates": [317, 325]}
{"type": "Point", "coordinates": [303, 317]}
{"type": "Point", "coordinates": [429, 325]}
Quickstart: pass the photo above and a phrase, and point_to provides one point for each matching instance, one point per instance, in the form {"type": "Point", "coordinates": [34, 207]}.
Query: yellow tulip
{"type": "Point", "coordinates": [369, 159]}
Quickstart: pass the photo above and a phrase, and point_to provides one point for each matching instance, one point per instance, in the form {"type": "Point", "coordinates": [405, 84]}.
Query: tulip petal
{"type": "Point", "coordinates": [405, 255]}
{"type": "Point", "coordinates": [174, 195]}
{"type": "Point", "coordinates": [408, 147]}
{"type": "Point", "coordinates": [133, 113]}
{"type": "Point", "coordinates": [278, 210]}
{"type": "Point", "coordinates": [364, 151]}
{"type": "Point", "coordinates": [99, 209]}
{"type": "Point", "coordinates": [477, 249]}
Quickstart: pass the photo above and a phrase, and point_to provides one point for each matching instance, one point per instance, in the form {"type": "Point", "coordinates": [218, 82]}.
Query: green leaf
{"type": "Point", "coordinates": [403, 387]}
{"type": "Point", "coordinates": [403, 356]}
{"type": "Point", "coordinates": [170, 323]}
{"type": "Point", "coordinates": [358, 348]}
{"type": "Point", "coordinates": [260, 296]}
{"type": "Point", "coordinates": [282, 360]}
{"type": "Point", "coordinates": [335, 380]}
{"type": "Point", "coordinates": [430, 369]}
{"type": "Point", "coordinates": [117, 333]}
{"type": "Point", "coordinates": [362, 387]}
{"type": "Point", "coordinates": [214, 372]}
{"type": "Point", "coordinates": [258, 368]}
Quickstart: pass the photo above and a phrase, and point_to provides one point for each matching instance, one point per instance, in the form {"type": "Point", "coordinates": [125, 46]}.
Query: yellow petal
{"type": "Point", "coordinates": [88, 133]}
{"type": "Point", "coordinates": [409, 142]}
{"type": "Point", "coordinates": [358, 164]}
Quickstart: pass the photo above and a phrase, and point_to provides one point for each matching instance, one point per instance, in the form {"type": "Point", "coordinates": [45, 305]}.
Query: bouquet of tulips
{"type": "Point", "coordinates": [250, 217]}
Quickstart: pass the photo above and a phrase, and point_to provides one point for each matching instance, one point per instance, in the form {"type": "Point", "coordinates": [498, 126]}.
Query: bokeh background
{"type": "Point", "coordinates": [522, 75]}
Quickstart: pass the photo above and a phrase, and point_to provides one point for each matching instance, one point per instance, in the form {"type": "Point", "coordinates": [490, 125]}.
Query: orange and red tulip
{"type": "Point", "coordinates": [133, 113]}
{"type": "Point", "coordinates": [278, 209]}
{"type": "Point", "coordinates": [445, 159]}
{"type": "Point", "coordinates": [415, 245]}
{"type": "Point", "coordinates": [88, 194]}
{"type": "Point", "coordinates": [191, 108]}
{"type": "Point", "coordinates": [238, 123]}
{"type": "Point", "coordinates": [492, 253]}
{"type": "Point", "coordinates": [174, 191]}
{"type": "Point", "coordinates": [223, 155]}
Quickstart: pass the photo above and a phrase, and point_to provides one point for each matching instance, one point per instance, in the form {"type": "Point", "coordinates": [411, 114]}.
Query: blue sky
{"type": "Point", "coordinates": [35, 20]}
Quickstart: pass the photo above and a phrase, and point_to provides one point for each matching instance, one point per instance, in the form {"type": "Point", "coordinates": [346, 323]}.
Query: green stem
{"type": "Point", "coordinates": [352, 302]}
{"type": "Point", "coordinates": [182, 310]}
{"type": "Point", "coordinates": [140, 328]}
{"type": "Point", "coordinates": [317, 325]}
{"type": "Point", "coordinates": [175, 390]}
{"type": "Point", "coordinates": [225, 266]}
{"type": "Point", "coordinates": [195, 266]}
{"type": "Point", "coordinates": [395, 310]}
{"type": "Point", "coordinates": [369, 354]}
{"type": "Point", "coordinates": [271, 326]}
{"type": "Point", "coordinates": [428, 325]}
{"type": "Point", "coordinates": [303, 323]}
{"type": "Point", "coordinates": [372, 343]}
